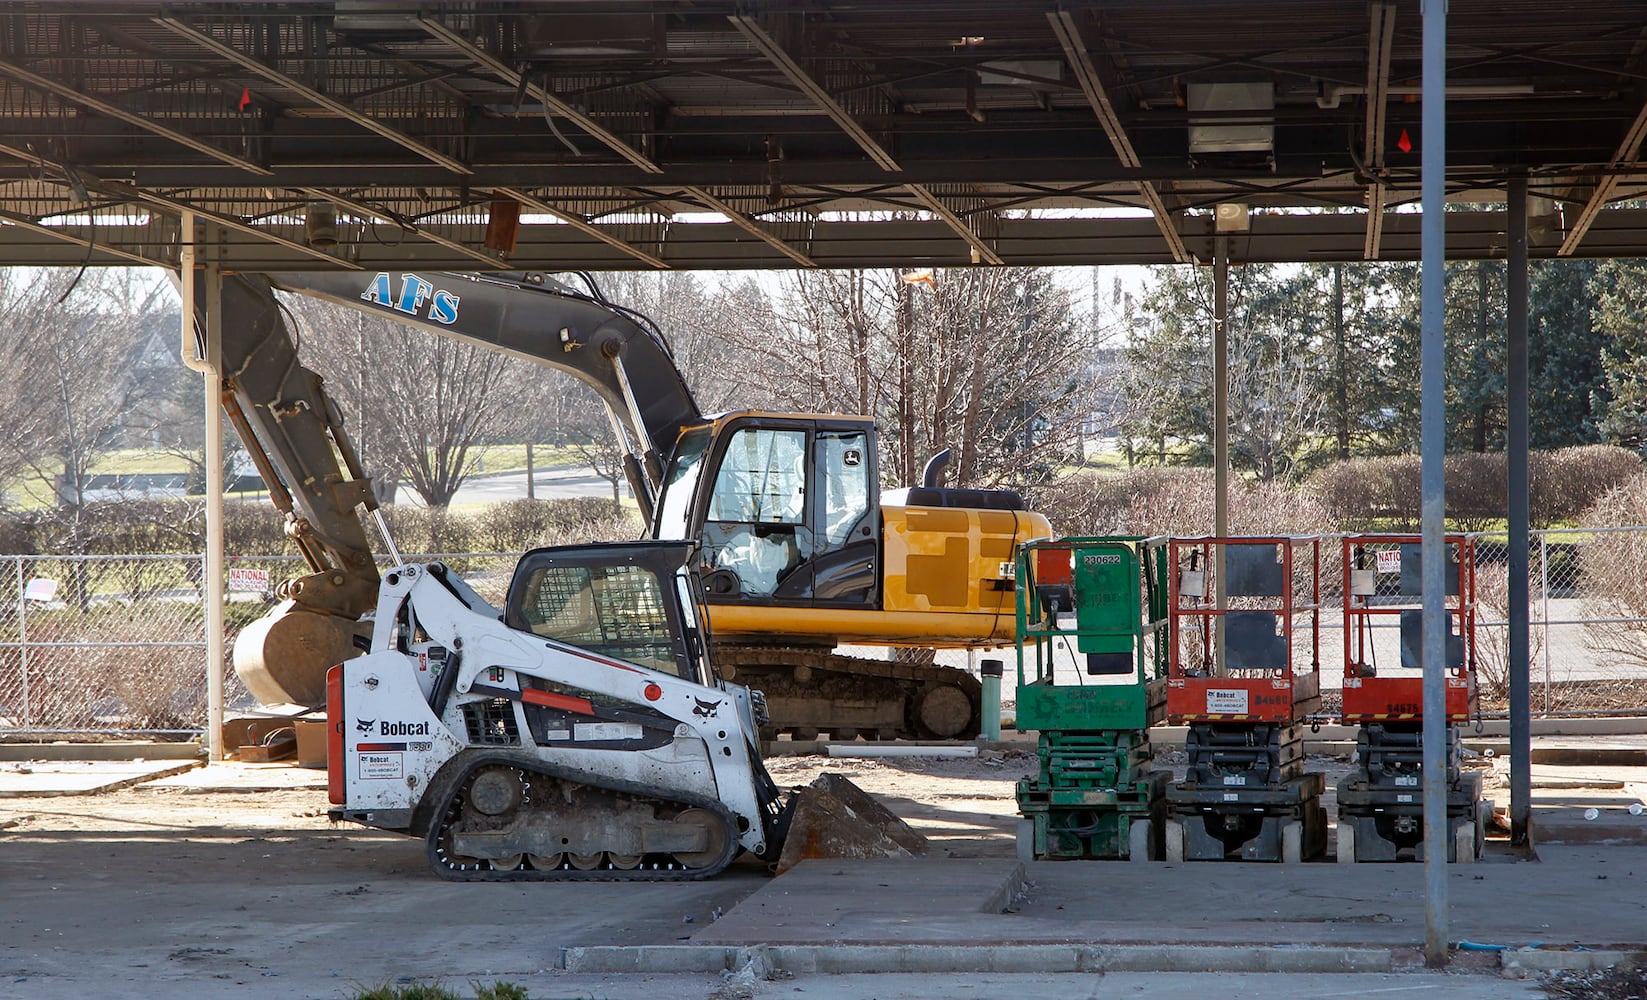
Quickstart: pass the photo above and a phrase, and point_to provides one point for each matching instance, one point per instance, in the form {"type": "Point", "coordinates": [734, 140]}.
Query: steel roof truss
{"type": "Point", "coordinates": [111, 110]}
{"type": "Point", "coordinates": [368, 212]}
{"type": "Point", "coordinates": [1380, 43]}
{"type": "Point", "coordinates": [248, 62]}
{"type": "Point", "coordinates": [503, 71]}
{"type": "Point", "coordinates": [1080, 60]}
{"type": "Point", "coordinates": [580, 223]}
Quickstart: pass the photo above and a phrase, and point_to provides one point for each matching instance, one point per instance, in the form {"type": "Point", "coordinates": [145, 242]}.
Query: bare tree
{"type": "Point", "coordinates": [590, 436]}
{"type": "Point", "coordinates": [70, 375]}
{"type": "Point", "coordinates": [984, 361]}
{"type": "Point", "coordinates": [693, 320]}
{"type": "Point", "coordinates": [419, 402]}
{"type": "Point", "coordinates": [696, 320]}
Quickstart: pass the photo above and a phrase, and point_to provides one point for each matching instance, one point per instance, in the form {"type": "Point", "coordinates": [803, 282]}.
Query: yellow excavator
{"type": "Point", "coordinates": [798, 549]}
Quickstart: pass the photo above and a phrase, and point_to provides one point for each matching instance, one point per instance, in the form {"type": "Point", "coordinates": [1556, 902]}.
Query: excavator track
{"type": "Point", "coordinates": [509, 820]}
{"type": "Point", "coordinates": [813, 690]}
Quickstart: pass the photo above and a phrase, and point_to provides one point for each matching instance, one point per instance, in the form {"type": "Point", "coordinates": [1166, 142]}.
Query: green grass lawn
{"type": "Point", "coordinates": [512, 457]}
{"type": "Point", "coordinates": [136, 460]}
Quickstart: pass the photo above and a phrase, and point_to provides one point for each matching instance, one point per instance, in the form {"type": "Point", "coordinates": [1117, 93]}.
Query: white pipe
{"type": "Point", "coordinates": [190, 347]}
{"type": "Point", "coordinates": [208, 366]}
{"type": "Point", "coordinates": [216, 573]}
{"type": "Point", "coordinates": [1332, 94]}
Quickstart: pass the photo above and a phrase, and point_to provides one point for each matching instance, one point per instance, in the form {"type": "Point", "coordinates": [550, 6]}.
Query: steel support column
{"type": "Point", "coordinates": [202, 350]}
{"type": "Point", "coordinates": [1220, 428]}
{"type": "Point", "coordinates": [1221, 386]}
{"type": "Point", "coordinates": [1521, 774]}
{"type": "Point", "coordinates": [1433, 252]}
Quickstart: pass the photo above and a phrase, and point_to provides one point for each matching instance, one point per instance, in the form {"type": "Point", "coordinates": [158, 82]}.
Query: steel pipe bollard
{"type": "Point", "coordinates": [989, 671]}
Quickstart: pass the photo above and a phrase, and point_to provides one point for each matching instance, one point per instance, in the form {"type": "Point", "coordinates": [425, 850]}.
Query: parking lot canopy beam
{"type": "Point", "coordinates": [1081, 61]}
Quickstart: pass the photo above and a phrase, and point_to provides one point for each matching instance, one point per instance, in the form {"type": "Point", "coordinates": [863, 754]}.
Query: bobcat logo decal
{"type": "Point", "coordinates": [364, 726]}
{"type": "Point", "coordinates": [706, 709]}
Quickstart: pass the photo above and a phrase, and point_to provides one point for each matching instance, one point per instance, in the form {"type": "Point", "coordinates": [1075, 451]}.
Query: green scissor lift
{"type": "Point", "coordinates": [1091, 638]}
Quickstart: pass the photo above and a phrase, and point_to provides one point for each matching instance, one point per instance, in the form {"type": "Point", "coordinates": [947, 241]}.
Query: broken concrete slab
{"type": "Point", "coordinates": [940, 959]}
{"type": "Point", "coordinates": [48, 778]}
{"type": "Point", "coordinates": [241, 776]}
{"type": "Point", "coordinates": [836, 819]}
{"type": "Point", "coordinates": [110, 750]}
{"type": "Point", "coordinates": [1612, 752]}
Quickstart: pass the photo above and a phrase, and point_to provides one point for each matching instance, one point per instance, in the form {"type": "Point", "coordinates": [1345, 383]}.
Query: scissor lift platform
{"type": "Point", "coordinates": [1381, 804]}
{"type": "Point", "coordinates": [1243, 613]}
{"type": "Point", "coordinates": [1088, 646]}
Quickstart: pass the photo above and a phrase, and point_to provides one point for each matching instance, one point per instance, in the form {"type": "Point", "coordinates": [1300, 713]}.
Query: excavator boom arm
{"type": "Point", "coordinates": [295, 435]}
{"type": "Point", "coordinates": [549, 323]}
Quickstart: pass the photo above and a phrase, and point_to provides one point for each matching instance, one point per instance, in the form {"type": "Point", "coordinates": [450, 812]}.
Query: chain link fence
{"type": "Point", "coordinates": [117, 644]}
{"type": "Point", "coordinates": [1588, 620]}
{"type": "Point", "coordinates": [102, 643]}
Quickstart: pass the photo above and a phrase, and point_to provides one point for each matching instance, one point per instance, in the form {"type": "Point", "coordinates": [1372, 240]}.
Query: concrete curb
{"type": "Point", "coordinates": [1553, 960]}
{"type": "Point", "coordinates": [114, 750]}
{"type": "Point", "coordinates": [963, 959]}
{"type": "Point", "coordinates": [1013, 886]}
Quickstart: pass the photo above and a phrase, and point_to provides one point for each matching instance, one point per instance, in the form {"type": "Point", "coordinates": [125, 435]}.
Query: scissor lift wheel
{"type": "Point", "coordinates": [1138, 840]}
{"type": "Point", "coordinates": [1175, 840]}
{"type": "Point", "coordinates": [1292, 843]}
{"type": "Point", "coordinates": [1346, 843]}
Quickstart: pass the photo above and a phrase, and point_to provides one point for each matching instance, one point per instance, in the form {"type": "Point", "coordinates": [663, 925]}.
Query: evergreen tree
{"type": "Point", "coordinates": [1276, 327]}
{"type": "Point", "coordinates": [1477, 334]}
{"type": "Point", "coordinates": [1621, 319]}
{"type": "Point", "coordinates": [1565, 376]}
{"type": "Point", "coordinates": [1366, 381]}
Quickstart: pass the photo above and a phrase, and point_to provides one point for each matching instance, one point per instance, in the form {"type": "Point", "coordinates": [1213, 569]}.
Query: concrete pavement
{"type": "Point", "coordinates": [173, 908]}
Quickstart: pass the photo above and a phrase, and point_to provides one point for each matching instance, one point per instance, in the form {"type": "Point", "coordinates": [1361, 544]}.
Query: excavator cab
{"type": "Point", "coordinates": [785, 508]}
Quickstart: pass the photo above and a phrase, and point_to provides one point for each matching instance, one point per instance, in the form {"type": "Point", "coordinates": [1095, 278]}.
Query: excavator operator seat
{"type": "Point", "coordinates": [759, 503]}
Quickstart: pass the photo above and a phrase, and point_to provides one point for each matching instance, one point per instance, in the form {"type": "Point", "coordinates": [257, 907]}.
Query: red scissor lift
{"type": "Point", "coordinates": [1244, 674]}
{"type": "Point", "coordinates": [1381, 803]}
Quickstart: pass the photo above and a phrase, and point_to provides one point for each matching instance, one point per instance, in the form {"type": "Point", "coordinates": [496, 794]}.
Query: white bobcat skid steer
{"type": "Point", "coordinates": [578, 735]}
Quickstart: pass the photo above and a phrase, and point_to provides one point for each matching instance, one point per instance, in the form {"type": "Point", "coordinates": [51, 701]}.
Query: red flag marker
{"type": "Point", "coordinates": [1405, 143]}
{"type": "Point", "coordinates": [246, 100]}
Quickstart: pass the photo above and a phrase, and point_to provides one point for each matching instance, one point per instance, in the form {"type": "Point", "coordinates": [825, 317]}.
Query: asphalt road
{"type": "Point", "coordinates": [548, 484]}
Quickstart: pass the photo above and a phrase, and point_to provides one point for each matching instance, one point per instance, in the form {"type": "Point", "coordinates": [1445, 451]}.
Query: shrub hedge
{"type": "Point", "coordinates": [1176, 501]}
{"type": "Point", "coordinates": [177, 526]}
{"type": "Point", "coordinates": [1369, 493]}
{"type": "Point", "coordinates": [1355, 495]}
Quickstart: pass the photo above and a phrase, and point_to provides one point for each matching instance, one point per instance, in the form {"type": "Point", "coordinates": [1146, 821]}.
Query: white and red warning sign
{"type": "Point", "coordinates": [248, 581]}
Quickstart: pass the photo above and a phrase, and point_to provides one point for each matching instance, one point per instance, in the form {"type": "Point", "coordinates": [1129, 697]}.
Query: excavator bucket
{"type": "Point", "coordinates": [833, 818]}
{"type": "Point", "coordinates": [276, 656]}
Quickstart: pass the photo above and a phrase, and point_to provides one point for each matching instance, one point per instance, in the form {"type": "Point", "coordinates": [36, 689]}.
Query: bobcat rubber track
{"type": "Point", "coordinates": [773, 671]}
{"type": "Point", "coordinates": [450, 810]}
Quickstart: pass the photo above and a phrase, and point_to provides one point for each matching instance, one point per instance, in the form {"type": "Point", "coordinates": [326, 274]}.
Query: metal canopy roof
{"type": "Point", "coordinates": [724, 134]}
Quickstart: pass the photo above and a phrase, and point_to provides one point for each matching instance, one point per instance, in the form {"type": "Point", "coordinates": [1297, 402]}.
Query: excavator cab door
{"type": "Point", "coordinates": [846, 542]}
{"type": "Point", "coordinates": [789, 516]}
